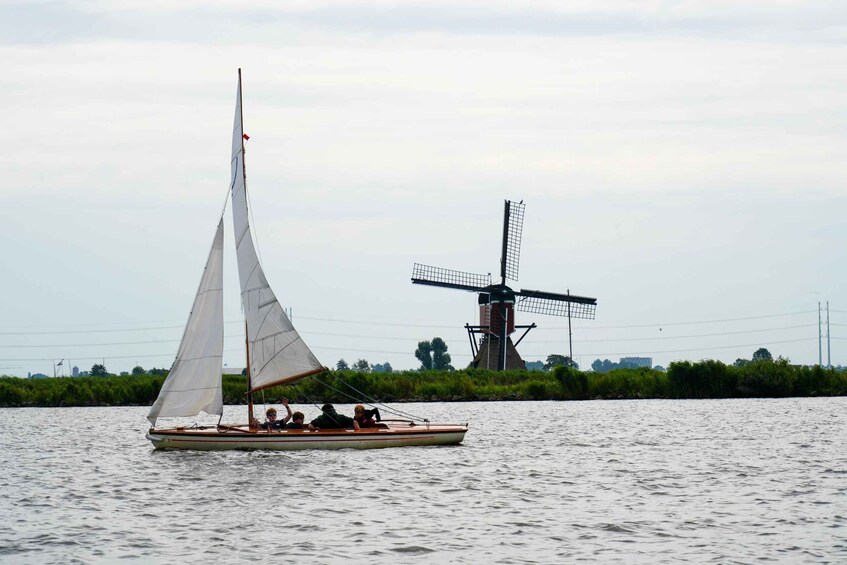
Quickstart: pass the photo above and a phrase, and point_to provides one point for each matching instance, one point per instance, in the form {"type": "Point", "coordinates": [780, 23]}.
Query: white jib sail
{"type": "Point", "coordinates": [194, 381]}
{"type": "Point", "coordinates": [277, 352]}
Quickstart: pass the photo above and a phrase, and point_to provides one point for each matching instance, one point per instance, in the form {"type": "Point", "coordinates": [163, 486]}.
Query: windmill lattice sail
{"type": "Point", "coordinates": [439, 276]}
{"type": "Point", "coordinates": [563, 305]}
{"type": "Point", "coordinates": [513, 230]}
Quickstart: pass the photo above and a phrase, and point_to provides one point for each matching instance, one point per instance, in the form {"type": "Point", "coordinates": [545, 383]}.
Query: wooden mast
{"type": "Point", "coordinates": [250, 418]}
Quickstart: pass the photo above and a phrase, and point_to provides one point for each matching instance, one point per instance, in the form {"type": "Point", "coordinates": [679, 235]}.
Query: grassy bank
{"type": "Point", "coordinates": [706, 379]}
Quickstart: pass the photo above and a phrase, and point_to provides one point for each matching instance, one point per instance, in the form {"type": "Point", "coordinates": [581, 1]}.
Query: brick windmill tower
{"type": "Point", "coordinates": [498, 302]}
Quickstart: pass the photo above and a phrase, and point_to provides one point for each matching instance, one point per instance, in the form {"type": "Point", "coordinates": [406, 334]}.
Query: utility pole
{"type": "Point", "coordinates": [570, 333]}
{"type": "Point", "coordinates": [828, 352]}
{"type": "Point", "coordinates": [820, 337]}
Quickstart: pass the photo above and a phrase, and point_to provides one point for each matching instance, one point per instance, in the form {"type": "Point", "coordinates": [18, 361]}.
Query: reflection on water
{"type": "Point", "coordinates": [644, 481]}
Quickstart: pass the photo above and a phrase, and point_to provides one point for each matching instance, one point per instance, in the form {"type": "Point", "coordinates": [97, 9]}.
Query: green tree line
{"type": "Point", "coordinates": [705, 379]}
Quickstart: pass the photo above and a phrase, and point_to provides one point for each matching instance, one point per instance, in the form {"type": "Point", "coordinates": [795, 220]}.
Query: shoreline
{"type": "Point", "coordinates": [682, 380]}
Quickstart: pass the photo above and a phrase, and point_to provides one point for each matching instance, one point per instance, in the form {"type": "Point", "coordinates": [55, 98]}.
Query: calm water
{"type": "Point", "coordinates": [535, 482]}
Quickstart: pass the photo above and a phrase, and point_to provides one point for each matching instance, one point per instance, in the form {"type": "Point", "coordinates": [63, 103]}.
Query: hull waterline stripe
{"type": "Point", "coordinates": [275, 440]}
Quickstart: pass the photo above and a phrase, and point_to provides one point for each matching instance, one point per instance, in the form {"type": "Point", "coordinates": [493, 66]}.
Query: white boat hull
{"type": "Point", "coordinates": [240, 437]}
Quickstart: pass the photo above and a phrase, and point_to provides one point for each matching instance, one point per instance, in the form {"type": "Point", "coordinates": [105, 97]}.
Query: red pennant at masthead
{"type": "Point", "coordinates": [245, 136]}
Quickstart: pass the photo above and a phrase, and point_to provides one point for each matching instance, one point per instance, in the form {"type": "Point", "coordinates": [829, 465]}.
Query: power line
{"type": "Point", "coordinates": [413, 339]}
{"type": "Point", "coordinates": [160, 341]}
{"type": "Point", "coordinates": [359, 322]}
{"type": "Point", "coordinates": [30, 346]}
{"type": "Point", "coordinates": [667, 337]}
{"type": "Point", "coordinates": [94, 331]}
{"type": "Point", "coordinates": [461, 355]}
{"type": "Point", "coordinates": [182, 325]}
{"type": "Point", "coordinates": [665, 324]}
{"type": "Point", "coordinates": [393, 324]}
{"type": "Point", "coordinates": [84, 359]}
{"type": "Point", "coordinates": [401, 339]}
{"type": "Point", "coordinates": [106, 357]}
{"type": "Point", "coordinates": [137, 329]}
{"type": "Point", "coordinates": [84, 325]}
{"type": "Point", "coordinates": [757, 344]}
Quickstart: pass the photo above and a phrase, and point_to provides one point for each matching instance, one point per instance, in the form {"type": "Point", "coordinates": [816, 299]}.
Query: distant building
{"type": "Point", "coordinates": [38, 376]}
{"type": "Point", "coordinates": [233, 370]}
{"type": "Point", "coordinates": [636, 362]}
{"type": "Point", "coordinates": [75, 371]}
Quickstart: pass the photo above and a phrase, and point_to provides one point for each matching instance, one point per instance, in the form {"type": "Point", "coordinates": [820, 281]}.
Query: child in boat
{"type": "Point", "coordinates": [296, 422]}
{"type": "Point", "coordinates": [330, 419]}
{"type": "Point", "coordinates": [272, 423]}
{"type": "Point", "coordinates": [365, 418]}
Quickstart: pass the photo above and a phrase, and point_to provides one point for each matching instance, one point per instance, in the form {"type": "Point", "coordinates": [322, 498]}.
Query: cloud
{"type": "Point", "coordinates": [262, 21]}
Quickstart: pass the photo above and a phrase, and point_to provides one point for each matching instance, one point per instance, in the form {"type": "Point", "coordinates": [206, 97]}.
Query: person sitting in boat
{"type": "Point", "coordinates": [272, 423]}
{"type": "Point", "coordinates": [330, 419]}
{"type": "Point", "coordinates": [296, 422]}
{"type": "Point", "coordinates": [365, 418]}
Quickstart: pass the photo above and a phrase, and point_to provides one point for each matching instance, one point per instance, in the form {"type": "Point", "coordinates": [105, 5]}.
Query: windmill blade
{"type": "Point", "coordinates": [512, 232]}
{"type": "Point", "coordinates": [438, 276]}
{"type": "Point", "coordinates": [552, 304]}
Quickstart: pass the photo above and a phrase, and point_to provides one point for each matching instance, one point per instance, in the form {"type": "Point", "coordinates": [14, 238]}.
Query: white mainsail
{"type": "Point", "coordinates": [194, 381]}
{"type": "Point", "coordinates": [277, 352]}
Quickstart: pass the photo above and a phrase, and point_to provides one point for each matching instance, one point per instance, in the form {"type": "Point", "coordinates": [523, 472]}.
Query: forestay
{"type": "Point", "coordinates": [277, 353]}
{"type": "Point", "coordinates": [194, 381]}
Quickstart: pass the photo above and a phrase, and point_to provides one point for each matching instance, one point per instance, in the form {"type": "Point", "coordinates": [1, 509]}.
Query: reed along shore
{"type": "Point", "coordinates": [704, 379]}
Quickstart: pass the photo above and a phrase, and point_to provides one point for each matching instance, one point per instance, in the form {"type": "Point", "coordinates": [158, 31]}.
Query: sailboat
{"type": "Point", "coordinates": [276, 355]}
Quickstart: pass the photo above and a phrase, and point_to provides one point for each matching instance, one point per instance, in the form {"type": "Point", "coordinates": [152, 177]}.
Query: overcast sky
{"type": "Point", "coordinates": [683, 162]}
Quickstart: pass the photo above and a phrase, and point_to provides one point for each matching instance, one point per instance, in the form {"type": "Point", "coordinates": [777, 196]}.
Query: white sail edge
{"type": "Point", "coordinates": [194, 384]}
{"type": "Point", "coordinates": [277, 352]}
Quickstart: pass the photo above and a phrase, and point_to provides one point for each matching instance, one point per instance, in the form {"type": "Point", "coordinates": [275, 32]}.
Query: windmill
{"type": "Point", "coordinates": [497, 301]}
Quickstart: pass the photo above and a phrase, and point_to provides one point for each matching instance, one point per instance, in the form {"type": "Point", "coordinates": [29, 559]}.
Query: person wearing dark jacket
{"type": "Point", "coordinates": [330, 419]}
{"type": "Point", "coordinates": [296, 422]}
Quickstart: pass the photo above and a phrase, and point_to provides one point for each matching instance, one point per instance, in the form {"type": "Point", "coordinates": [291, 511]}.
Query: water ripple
{"type": "Point", "coordinates": [605, 481]}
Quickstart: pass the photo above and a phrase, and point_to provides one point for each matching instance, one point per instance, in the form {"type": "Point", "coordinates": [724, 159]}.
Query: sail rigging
{"type": "Point", "coordinates": [277, 353]}
{"type": "Point", "coordinates": [193, 384]}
